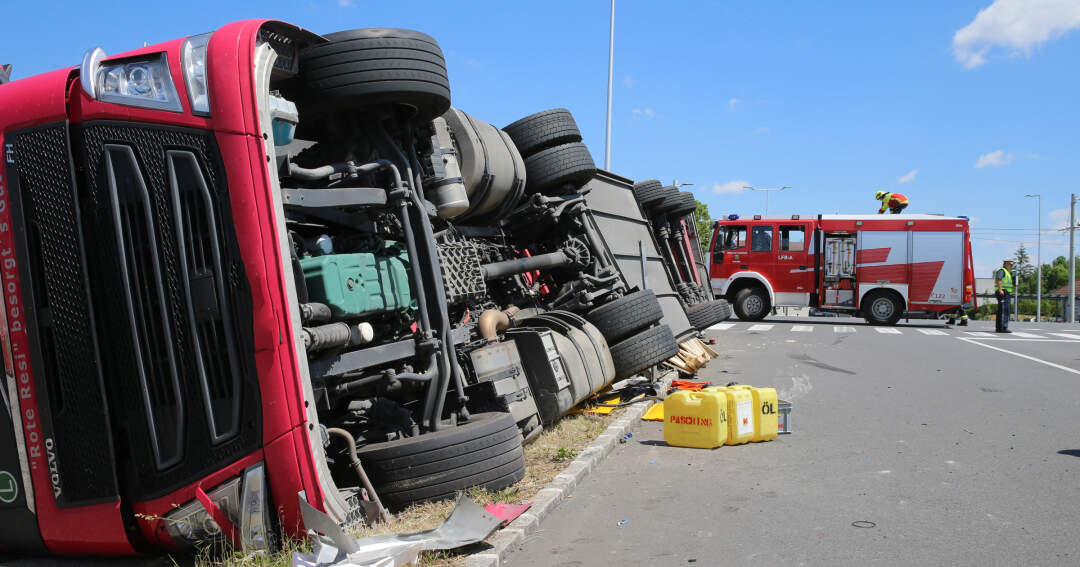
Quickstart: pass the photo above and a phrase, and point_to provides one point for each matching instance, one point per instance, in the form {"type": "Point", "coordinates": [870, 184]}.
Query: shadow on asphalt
{"type": "Point", "coordinates": [1070, 452]}
{"type": "Point", "coordinates": [851, 322]}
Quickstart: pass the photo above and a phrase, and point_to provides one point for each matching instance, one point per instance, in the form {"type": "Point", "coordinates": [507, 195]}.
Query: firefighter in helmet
{"type": "Point", "coordinates": [892, 202]}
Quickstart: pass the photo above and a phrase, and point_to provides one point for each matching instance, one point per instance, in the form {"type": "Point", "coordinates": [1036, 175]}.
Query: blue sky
{"type": "Point", "coordinates": [964, 106]}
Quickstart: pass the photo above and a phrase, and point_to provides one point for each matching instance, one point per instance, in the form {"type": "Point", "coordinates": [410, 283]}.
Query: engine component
{"type": "Point", "coordinates": [462, 276]}
{"type": "Point", "coordinates": [505, 268]}
{"type": "Point", "coordinates": [446, 189]}
{"type": "Point", "coordinates": [314, 313]}
{"type": "Point", "coordinates": [337, 335]}
{"type": "Point", "coordinates": [492, 168]}
{"type": "Point", "coordinates": [361, 283]}
{"type": "Point", "coordinates": [492, 321]}
{"type": "Point", "coordinates": [502, 381]}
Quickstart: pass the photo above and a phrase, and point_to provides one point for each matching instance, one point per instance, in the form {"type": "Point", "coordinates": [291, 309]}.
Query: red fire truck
{"type": "Point", "coordinates": [875, 267]}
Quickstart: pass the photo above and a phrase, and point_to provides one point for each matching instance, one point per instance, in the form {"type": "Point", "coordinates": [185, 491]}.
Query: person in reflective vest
{"type": "Point", "coordinates": [1003, 291]}
{"type": "Point", "coordinates": [892, 202]}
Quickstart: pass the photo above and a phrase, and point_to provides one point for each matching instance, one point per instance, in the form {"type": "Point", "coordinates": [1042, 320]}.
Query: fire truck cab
{"type": "Point", "coordinates": [879, 268]}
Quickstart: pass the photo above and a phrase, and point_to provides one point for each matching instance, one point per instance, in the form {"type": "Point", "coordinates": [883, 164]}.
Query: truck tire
{"type": "Point", "coordinates": [374, 66]}
{"type": "Point", "coordinates": [647, 348]}
{"type": "Point", "coordinates": [708, 313]}
{"type": "Point", "coordinates": [626, 315]}
{"type": "Point", "coordinates": [543, 130]}
{"type": "Point", "coordinates": [650, 192]}
{"type": "Point", "coordinates": [752, 304]}
{"type": "Point", "coordinates": [678, 204]}
{"type": "Point", "coordinates": [486, 451]}
{"type": "Point", "coordinates": [553, 169]}
{"type": "Point", "coordinates": [883, 308]}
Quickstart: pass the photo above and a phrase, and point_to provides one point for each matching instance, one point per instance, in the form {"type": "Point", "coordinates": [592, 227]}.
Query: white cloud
{"type": "Point", "coordinates": [629, 81]}
{"type": "Point", "coordinates": [1017, 25]}
{"type": "Point", "coordinates": [644, 113]}
{"type": "Point", "coordinates": [761, 130]}
{"type": "Point", "coordinates": [731, 187]}
{"type": "Point", "coordinates": [995, 158]}
{"type": "Point", "coordinates": [1059, 219]}
{"type": "Point", "coordinates": [908, 177]}
{"type": "Point", "coordinates": [731, 104]}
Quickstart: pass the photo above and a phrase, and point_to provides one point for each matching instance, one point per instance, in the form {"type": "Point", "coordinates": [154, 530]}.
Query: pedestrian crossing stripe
{"type": "Point", "coordinates": [1026, 335]}
{"type": "Point", "coordinates": [979, 334]}
{"type": "Point", "coordinates": [1066, 335]}
{"type": "Point", "coordinates": [760, 327]}
{"type": "Point", "coordinates": [802, 329]}
{"type": "Point", "coordinates": [932, 332]}
{"type": "Point", "coordinates": [843, 329]}
{"type": "Point", "coordinates": [721, 326]}
{"type": "Point", "coordinates": [888, 331]}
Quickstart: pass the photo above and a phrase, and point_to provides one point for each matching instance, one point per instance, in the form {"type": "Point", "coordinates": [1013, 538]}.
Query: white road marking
{"type": "Point", "coordinates": [888, 330]}
{"type": "Point", "coordinates": [760, 327]}
{"type": "Point", "coordinates": [1026, 335]}
{"type": "Point", "coordinates": [843, 329]}
{"type": "Point", "coordinates": [802, 329]}
{"type": "Point", "coordinates": [1031, 358]}
{"type": "Point", "coordinates": [1066, 335]}
{"type": "Point", "coordinates": [721, 326]}
{"type": "Point", "coordinates": [979, 334]}
{"type": "Point", "coordinates": [931, 332]}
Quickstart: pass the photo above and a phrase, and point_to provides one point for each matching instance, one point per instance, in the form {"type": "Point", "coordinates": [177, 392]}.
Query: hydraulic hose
{"type": "Point", "coordinates": [350, 443]}
{"type": "Point", "coordinates": [505, 268]}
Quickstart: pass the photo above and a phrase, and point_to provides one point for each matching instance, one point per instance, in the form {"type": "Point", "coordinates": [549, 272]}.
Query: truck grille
{"type": "Point", "coordinates": [164, 266]}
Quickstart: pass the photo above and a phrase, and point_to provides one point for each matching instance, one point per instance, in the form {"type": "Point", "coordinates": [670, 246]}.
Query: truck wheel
{"type": "Point", "coordinates": [647, 348]}
{"type": "Point", "coordinates": [705, 314]}
{"type": "Point", "coordinates": [485, 451]}
{"type": "Point", "coordinates": [373, 66]}
{"type": "Point", "coordinates": [677, 204]}
{"type": "Point", "coordinates": [882, 308]}
{"type": "Point", "coordinates": [551, 170]}
{"type": "Point", "coordinates": [650, 192]}
{"type": "Point", "coordinates": [626, 315]}
{"type": "Point", "coordinates": [751, 304]}
{"type": "Point", "coordinates": [543, 130]}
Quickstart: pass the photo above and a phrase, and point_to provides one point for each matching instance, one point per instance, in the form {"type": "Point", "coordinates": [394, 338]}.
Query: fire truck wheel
{"type": "Point", "coordinates": [647, 348]}
{"type": "Point", "coordinates": [650, 192]}
{"type": "Point", "coordinates": [374, 66]}
{"type": "Point", "coordinates": [882, 308]}
{"type": "Point", "coordinates": [543, 130]}
{"type": "Point", "coordinates": [552, 170]}
{"type": "Point", "coordinates": [626, 315]}
{"type": "Point", "coordinates": [485, 451]}
{"type": "Point", "coordinates": [751, 304]}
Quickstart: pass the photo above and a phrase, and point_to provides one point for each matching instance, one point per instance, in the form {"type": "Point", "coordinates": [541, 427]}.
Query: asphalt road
{"type": "Point", "coordinates": [953, 446]}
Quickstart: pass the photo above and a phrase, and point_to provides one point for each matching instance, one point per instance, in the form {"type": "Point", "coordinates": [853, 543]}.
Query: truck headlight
{"type": "Point", "coordinates": [137, 81]}
{"type": "Point", "coordinates": [193, 59]}
{"type": "Point", "coordinates": [243, 500]}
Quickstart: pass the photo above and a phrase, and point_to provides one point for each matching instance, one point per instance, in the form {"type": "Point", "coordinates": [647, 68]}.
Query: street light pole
{"type": "Point", "coordinates": [767, 191]}
{"type": "Point", "coordinates": [610, 73]}
{"type": "Point", "coordinates": [1038, 260]}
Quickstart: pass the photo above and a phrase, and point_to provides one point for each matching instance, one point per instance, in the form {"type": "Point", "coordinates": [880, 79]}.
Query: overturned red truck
{"type": "Point", "coordinates": [262, 265]}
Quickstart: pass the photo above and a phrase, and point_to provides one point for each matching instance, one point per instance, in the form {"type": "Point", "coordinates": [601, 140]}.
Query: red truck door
{"type": "Point", "coordinates": [762, 255]}
{"type": "Point", "coordinates": [794, 272]}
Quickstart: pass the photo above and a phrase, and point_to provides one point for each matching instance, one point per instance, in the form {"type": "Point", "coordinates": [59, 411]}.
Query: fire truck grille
{"type": "Point", "coordinates": [172, 296]}
{"type": "Point", "coordinates": [59, 320]}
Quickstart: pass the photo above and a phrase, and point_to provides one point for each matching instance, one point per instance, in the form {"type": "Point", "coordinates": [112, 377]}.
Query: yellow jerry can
{"type": "Point", "coordinates": [740, 410]}
{"type": "Point", "coordinates": [695, 419]}
{"type": "Point", "coordinates": [766, 408]}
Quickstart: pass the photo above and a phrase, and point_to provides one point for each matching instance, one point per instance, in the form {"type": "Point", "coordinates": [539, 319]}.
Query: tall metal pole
{"type": "Point", "coordinates": [1072, 258]}
{"type": "Point", "coordinates": [610, 74]}
{"type": "Point", "coordinates": [1038, 260]}
{"type": "Point", "coordinates": [767, 191]}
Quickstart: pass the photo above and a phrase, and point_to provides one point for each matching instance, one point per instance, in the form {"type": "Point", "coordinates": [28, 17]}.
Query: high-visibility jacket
{"type": "Point", "coordinates": [891, 200]}
{"type": "Point", "coordinates": [1006, 279]}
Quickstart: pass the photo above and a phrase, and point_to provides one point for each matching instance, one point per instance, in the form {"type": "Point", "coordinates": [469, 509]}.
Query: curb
{"type": "Point", "coordinates": [548, 498]}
